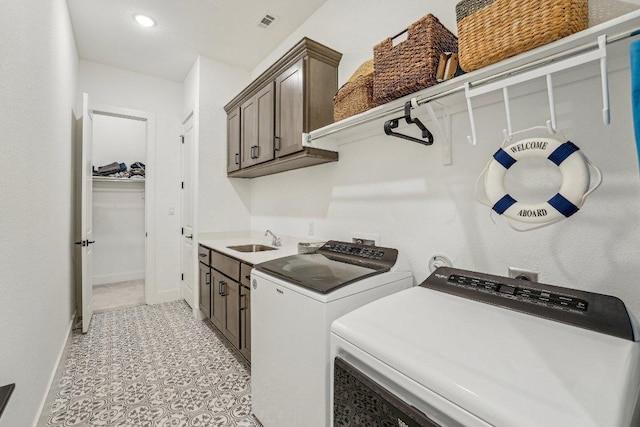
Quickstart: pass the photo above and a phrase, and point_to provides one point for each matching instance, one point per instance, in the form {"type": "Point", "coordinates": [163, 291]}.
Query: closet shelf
{"type": "Point", "coordinates": [110, 179]}
{"type": "Point", "coordinates": [452, 92]}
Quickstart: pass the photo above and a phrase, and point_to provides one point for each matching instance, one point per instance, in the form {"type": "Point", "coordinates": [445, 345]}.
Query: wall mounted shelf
{"type": "Point", "coordinates": [111, 179]}
{"type": "Point", "coordinates": [452, 92]}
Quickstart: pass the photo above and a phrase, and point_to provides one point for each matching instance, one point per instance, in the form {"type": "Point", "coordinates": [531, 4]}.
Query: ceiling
{"type": "Point", "coordinates": [226, 30]}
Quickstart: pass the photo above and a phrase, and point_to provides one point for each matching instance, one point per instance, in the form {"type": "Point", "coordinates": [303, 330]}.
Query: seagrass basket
{"type": "Point", "coordinates": [492, 30]}
{"type": "Point", "coordinates": [412, 64]}
{"type": "Point", "coordinates": [356, 95]}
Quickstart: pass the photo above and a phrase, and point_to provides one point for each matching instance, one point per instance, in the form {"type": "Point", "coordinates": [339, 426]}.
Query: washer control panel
{"type": "Point", "coordinates": [371, 252]}
{"type": "Point", "coordinates": [375, 257]}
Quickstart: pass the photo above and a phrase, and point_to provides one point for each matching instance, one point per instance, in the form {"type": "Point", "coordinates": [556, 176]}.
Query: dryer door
{"type": "Point", "coordinates": [360, 400]}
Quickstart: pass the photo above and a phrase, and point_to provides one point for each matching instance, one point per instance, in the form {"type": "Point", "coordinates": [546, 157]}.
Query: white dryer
{"type": "Point", "coordinates": [293, 301]}
{"type": "Point", "coordinates": [476, 350]}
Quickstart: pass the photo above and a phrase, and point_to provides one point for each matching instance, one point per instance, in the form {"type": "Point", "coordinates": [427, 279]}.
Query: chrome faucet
{"type": "Point", "coordinates": [276, 240]}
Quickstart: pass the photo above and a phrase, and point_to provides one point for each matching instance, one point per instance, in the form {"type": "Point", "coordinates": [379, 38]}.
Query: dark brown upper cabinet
{"type": "Point", "coordinates": [256, 128]}
{"type": "Point", "coordinates": [291, 98]}
{"type": "Point", "coordinates": [233, 140]}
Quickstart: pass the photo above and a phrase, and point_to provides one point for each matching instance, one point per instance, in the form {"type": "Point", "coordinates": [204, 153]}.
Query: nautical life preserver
{"type": "Point", "coordinates": [573, 166]}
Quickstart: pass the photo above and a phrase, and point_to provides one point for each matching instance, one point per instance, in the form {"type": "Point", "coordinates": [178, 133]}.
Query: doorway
{"type": "Point", "coordinates": [120, 206]}
{"type": "Point", "coordinates": [188, 233]}
{"type": "Point", "coordinates": [119, 163]}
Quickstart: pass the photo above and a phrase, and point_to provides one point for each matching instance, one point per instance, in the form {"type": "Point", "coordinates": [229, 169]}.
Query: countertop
{"type": "Point", "coordinates": [220, 240]}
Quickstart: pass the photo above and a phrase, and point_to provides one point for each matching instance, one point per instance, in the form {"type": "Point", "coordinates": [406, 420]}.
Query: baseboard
{"type": "Point", "coordinates": [47, 399]}
{"type": "Point", "coordinates": [166, 296]}
{"type": "Point", "coordinates": [117, 277]}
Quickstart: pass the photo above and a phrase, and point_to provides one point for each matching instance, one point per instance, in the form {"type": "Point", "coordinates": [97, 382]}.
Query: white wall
{"type": "Point", "coordinates": [401, 190]}
{"type": "Point", "coordinates": [223, 203]}
{"type": "Point", "coordinates": [37, 96]}
{"type": "Point", "coordinates": [118, 139]}
{"type": "Point", "coordinates": [118, 229]}
{"type": "Point", "coordinates": [163, 98]}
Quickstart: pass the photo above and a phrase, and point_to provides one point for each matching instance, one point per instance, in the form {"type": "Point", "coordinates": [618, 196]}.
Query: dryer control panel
{"type": "Point", "coordinates": [597, 312]}
{"type": "Point", "coordinates": [522, 293]}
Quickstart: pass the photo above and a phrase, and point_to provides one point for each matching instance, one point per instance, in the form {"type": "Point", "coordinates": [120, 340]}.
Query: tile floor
{"type": "Point", "coordinates": [112, 296]}
{"type": "Point", "coordinates": [151, 366]}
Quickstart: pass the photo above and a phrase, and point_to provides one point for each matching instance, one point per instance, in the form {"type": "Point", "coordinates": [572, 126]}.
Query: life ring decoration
{"type": "Point", "coordinates": [574, 167]}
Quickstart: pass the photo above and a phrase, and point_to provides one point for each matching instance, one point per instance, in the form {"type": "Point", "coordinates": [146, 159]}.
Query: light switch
{"type": "Point", "coordinates": [172, 211]}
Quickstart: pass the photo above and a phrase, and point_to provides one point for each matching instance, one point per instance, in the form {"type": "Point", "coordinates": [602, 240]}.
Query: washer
{"type": "Point", "coordinates": [294, 300]}
{"type": "Point", "coordinates": [471, 349]}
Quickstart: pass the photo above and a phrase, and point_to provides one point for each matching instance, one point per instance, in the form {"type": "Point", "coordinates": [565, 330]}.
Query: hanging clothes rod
{"type": "Point", "coordinates": [460, 89]}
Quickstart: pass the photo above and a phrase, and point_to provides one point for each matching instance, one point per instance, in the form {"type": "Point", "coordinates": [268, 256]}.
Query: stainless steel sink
{"type": "Point", "coordinates": [251, 248]}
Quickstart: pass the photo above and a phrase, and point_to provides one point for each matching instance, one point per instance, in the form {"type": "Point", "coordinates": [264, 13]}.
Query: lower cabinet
{"type": "Point", "coordinates": [226, 300]}
{"type": "Point", "coordinates": [245, 321]}
{"type": "Point", "coordinates": [225, 303]}
{"type": "Point", "coordinates": [205, 289]}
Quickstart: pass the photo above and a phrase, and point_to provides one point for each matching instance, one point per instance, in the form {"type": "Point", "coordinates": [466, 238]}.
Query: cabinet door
{"type": "Point", "coordinates": [205, 289]}
{"type": "Point", "coordinates": [248, 131]}
{"type": "Point", "coordinates": [245, 322]}
{"type": "Point", "coordinates": [289, 110]}
{"type": "Point", "coordinates": [231, 292]}
{"type": "Point", "coordinates": [265, 118]}
{"type": "Point", "coordinates": [257, 135]}
{"type": "Point", "coordinates": [217, 299]}
{"type": "Point", "coordinates": [233, 140]}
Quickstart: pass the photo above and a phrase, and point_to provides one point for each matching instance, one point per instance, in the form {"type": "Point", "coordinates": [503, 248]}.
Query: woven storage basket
{"type": "Point", "coordinates": [492, 30]}
{"type": "Point", "coordinates": [604, 10]}
{"type": "Point", "coordinates": [412, 64]}
{"type": "Point", "coordinates": [356, 95]}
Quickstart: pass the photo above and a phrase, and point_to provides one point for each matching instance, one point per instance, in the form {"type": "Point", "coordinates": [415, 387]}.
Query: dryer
{"type": "Point", "coordinates": [477, 350]}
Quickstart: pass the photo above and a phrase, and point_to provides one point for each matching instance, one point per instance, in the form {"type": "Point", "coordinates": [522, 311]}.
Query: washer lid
{"type": "Point", "coordinates": [334, 265]}
{"type": "Point", "coordinates": [505, 367]}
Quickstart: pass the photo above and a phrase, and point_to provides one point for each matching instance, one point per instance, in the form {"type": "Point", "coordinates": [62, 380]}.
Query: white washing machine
{"type": "Point", "coordinates": [293, 301]}
{"type": "Point", "coordinates": [476, 350]}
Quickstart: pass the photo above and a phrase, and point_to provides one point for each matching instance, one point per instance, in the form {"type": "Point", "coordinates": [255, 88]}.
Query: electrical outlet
{"type": "Point", "coordinates": [363, 242]}
{"type": "Point", "coordinates": [365, 239]}
{"type": "Point", "coordinates": [521, 273]}
{"type": "Point", "coordinates": [311, 228]}
{"type": "Point", "coordinates": [437, 261]}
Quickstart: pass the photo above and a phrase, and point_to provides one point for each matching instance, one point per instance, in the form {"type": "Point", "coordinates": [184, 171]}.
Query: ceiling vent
{"type": "Point", "coordinates": [266, 21]}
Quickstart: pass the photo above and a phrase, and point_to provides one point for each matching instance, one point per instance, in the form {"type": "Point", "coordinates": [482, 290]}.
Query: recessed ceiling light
{"type": "Point", "coordinates": [144, 20]}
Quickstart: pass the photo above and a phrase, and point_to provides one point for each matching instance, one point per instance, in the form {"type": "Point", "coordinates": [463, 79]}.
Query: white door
{"type": "Point", "coordinates": [86, 213]}
{"type": "Point", "coordinates": [187, 243]}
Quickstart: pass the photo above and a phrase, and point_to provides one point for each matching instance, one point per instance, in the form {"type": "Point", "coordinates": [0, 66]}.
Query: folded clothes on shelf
{"type": "Point", "coordinates": [109, 169]}
{"type": "Point", "coordinates": [119, 170]}
{"type": "Point", "coordinates": [137, 169]}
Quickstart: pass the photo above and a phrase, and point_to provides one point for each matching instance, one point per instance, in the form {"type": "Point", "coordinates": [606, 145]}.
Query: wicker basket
{"type": "Point", "coordinates": [492, 30]}
{"type": "Point", "coordinates": [604, 10]}
{"type": "Point", "coordinates": [412, 64]}
{"type": "Point", "coordinates": [356, 95]}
